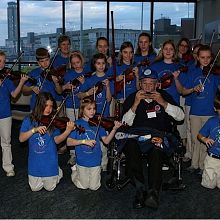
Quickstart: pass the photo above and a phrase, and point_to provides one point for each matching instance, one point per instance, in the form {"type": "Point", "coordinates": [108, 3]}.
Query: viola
{"type": "Point", "coordinates": [129, 75]}
{"type": "Point", "coordinates": [59, 122]}
{"type": "Point", "coordinates": [15, 75]}
{"type": "Point", "coordinates": [215, 69]}
{"type": "Point", "coordinates": [58, 72]}
{"type": "Point", "coordinates": [167, 80]}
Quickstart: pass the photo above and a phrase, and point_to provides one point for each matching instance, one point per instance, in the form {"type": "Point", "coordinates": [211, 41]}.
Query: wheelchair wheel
{"type": "Point", "coordinates": [109, 182]}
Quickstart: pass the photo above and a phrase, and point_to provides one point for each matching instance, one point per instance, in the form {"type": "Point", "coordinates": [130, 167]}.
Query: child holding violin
{"type": "Point", "coordinates": [40, 74]}
{"type": "Point", "coordinates": [7, 89]}
{"type": "Point", "coordinates": [86, 174]}
{"type": "Point", "coordinates": [203, 88]}
{"type": "Point", "coordinates": [43, 169]}
{"type": "Point", "coordinates": [127, 69]}
{"type": "Point", "coordinates": [209, 134]}
{"type": "Point", "coordinates": [98, 86]}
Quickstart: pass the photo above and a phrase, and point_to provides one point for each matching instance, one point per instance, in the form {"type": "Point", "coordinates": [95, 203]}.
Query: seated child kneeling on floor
{"type": "Point", "coordinates": [43, 169]}
{"type": "Point", "coordinates": [86, 174]}
{"type": "Point", "coordinates": [210, 135]}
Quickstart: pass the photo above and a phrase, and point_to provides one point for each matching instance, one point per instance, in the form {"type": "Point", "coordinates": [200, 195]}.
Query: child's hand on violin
{"type": "Point", "coordinates": [81, 79]}
{"type": "Point", "coordinates": [176, 74]}
{"type": "Point", "coordinates": [36, 89]}
{"type": "Point", "coordinates": [24, 78]}
{"type": "Point", "coordinates": [118, 124]}
{"type": "Point", "coordinates": [90, 143]}
{"type": "Point", "coordinates": [70, 126]}
{"type": "Point", "coordinates": [198, 88]}
{"type": "Point", "coordinates": [120, 77]}
{"type": "Point", "coordinates": [106, 82]}
{"type": "Point", "coordinates": [135, 71]}
{"type": "Point", "coordinates": [208, 141]}
{"type": "Point", "coordinates": [67, 86]}
{"type": "Point", "coordinates": [41, 129]}
{"type": "Point", "coordinates": [92, 90]}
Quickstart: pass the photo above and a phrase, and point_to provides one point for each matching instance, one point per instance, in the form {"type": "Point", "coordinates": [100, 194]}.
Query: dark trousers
{"type": "Point", "coordinates": [134, 168]}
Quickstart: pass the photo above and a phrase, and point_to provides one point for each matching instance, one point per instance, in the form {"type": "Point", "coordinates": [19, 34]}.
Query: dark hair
{"type": "Point", "coordinates": [63, 38]}
{"type": "Point", "coordinates": [138, 50]}
{"type": "Point", "coordinates": [101, 38]}
{"type": "Point", "coordinates": [95, 58]}
{"type": "Point", "coordinates": [187, 42]}
{"type": "Point", "coordinates": [42, 53]}
{"type": "Point", "coordinates": [125, 45]}
{"type": "Point", "coordinates": [40, 105]}
{"type": "Point", "coordinates": [85, 102]}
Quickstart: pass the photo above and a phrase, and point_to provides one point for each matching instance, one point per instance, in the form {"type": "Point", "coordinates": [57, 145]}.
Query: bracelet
{"type": "Point", "coordinates": [33, 130]}
{"type": "Point", "coordinates": [83, 141]}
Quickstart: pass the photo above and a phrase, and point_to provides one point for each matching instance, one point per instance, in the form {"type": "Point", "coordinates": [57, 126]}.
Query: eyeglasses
{"type": "Point", "coordinates": [182, 45]}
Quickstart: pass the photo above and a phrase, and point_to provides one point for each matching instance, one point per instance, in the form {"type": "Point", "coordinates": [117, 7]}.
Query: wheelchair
{"type": "Point", "coordinates": [116, 178]}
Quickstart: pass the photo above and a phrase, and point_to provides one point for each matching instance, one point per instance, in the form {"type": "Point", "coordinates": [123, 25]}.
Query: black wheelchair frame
{"type": "Point", "coordinates": [117, 162]}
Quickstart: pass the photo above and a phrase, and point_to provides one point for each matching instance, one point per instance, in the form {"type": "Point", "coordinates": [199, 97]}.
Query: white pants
{"type": "Point", "coordinates": [211, 173]}
{"type": "Point", "coordinates": [5, 134]}
{"type": "Point", "coordinates": [86, 177]}
{"type": "Point", "coordinates": [188, 133]}
{"type": "Point", "coordinates": [48, 183]}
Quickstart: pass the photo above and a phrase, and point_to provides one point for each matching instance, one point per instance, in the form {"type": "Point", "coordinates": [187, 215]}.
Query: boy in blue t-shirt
{"type": "Point", "coordinates": [7, 89]}
{"type": "Point", "coordinates": [209, 134]}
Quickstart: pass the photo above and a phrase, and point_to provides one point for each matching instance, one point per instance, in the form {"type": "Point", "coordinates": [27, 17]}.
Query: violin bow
{"type": "Point", "coordinates": [213, 34]}
{"type": "Point", "coordinates": [113, 52]}
{"type": "Point", "coordinates": [103, 109]}
{"type": "Point", "coordinates": [48, 69]}
{"type": "Point", "coordinates": [12, 67]}
{"type": "Point", "coordinates": [211, 66]}
{"type": "Point", "coordinates": [74, 103]}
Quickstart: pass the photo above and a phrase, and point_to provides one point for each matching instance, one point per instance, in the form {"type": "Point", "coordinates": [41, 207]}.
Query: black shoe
{"type": "Point", "coordinates": [152, 199]}
{"type": "Point", "coordinates": [138, 202]}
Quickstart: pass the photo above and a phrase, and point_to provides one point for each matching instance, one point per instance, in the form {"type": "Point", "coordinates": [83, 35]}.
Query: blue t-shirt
{"type": "Point", "coordinates": [69, 76]}
{"type": "Point", "coordinates": [5, 102]}
{"type": "Point", "coordinates": [165, 69]}
{"type": "Point", "coordinates": [85, 155]}
{"type": "Point", "coordinates": [202, 103]}
{"type": "Point", "coordinates": [42, 157]}
{"type": "Point", "coordinates": [130, 86]}
{"type": "Point", "coordinates": [211, 129]}
{"type": "Point", "coordinates": [100, 97]}
{"type": "Point", "coordinates": [48, 86]}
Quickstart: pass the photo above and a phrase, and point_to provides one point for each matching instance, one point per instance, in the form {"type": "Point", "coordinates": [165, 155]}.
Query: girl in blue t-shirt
{"type": "Point", "coordinates": [98, 87]}
{"type": "Point", "coordinates": [86, 172]}
{"type": "Point", "coordinates": [43, 169]}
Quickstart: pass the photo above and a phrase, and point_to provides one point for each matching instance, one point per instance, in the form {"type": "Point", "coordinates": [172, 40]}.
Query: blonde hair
{"type": "Point", "coordinates": [85, 102]}
{"type": "Point", "coordinates": [2, 53]}
{"type": "Point", "coordinates": [78, 54]}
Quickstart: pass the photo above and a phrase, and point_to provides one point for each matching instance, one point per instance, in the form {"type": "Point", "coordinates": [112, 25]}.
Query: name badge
{"type": "Point", "coordinates": [151, 114]}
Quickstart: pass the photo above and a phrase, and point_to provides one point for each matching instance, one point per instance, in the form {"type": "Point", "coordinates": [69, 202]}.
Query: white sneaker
{"type": "Point", "coordinates": [10, 173]}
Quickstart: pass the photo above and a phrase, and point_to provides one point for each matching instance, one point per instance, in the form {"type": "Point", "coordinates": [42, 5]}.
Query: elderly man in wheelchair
{"type": "Point", "coordinates": [155, 109]}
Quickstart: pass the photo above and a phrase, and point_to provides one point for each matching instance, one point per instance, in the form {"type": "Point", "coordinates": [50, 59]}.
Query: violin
{"type": "Point", "coordinates": [187, 57]}
{"type": "Point", "coordinates": [129, 75]}
{"type": "Point", "coordinates": [105, 122]}
{"type": "Point", "coordinates": [59, 122]}
{"type": "Point", "coordinates": [14, 75]}
{"type": "Point", "coordinates": [215, 69]}
{"type": "Point", "coordinates": [167, 79]}
{"type": "Point", "coordinates": [58, 72]}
